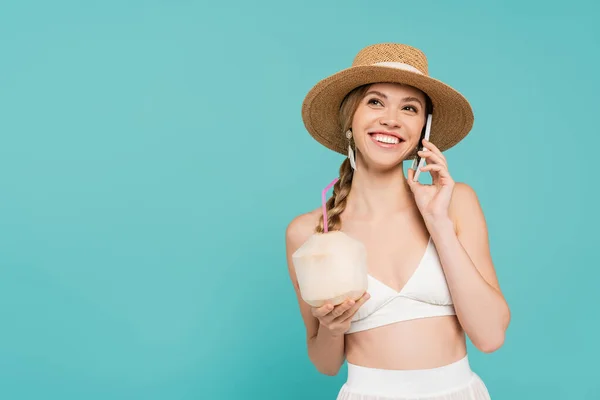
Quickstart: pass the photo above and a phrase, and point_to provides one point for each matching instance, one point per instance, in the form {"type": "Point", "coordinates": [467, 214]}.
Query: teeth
{"type": "Point", "coordinates": [386, 139]}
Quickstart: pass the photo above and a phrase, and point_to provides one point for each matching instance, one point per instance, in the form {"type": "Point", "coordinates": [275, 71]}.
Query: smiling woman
{"type": "Point", "coordinates": [430, 277]}
{"type": "Point", "coordinates": [390, 103]}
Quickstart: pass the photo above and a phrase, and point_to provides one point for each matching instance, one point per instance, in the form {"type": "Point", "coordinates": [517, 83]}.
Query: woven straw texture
{"type": "Point", "coordinates": [452, 116]}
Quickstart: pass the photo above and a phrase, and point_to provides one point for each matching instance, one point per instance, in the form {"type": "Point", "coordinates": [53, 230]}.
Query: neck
{"type": "Point", "coordinates": [377, 194]}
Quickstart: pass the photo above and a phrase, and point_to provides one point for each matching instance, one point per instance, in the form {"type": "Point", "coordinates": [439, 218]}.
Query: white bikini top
{"type": "Point", "coordinates": [425, 295]}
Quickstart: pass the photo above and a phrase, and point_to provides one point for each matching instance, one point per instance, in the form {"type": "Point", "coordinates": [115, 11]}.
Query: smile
{"type": "Point", "coordinates": [386, 140]}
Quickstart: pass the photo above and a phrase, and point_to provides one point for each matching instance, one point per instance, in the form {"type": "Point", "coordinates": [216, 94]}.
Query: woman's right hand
{"type": "Point", "coordinates": [337, 319]}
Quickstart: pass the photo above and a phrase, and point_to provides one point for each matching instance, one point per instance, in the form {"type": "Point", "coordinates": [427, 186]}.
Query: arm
{"type": "Point", "coordinates": [465, 256]}
{"type": "Point", "coordinates": [325, 351]}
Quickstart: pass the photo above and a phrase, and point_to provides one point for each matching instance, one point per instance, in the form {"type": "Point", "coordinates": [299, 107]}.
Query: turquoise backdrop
{"type": "Point", "coordinates": [152, 154]}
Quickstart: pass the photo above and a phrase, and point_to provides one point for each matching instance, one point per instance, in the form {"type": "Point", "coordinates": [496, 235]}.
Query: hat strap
{"type": "Point", "coordinates": [325, 224]}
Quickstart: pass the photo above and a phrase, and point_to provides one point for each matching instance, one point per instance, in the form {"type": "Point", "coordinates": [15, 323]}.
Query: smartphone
{"type": "Point", "coordinates": [418, 162]}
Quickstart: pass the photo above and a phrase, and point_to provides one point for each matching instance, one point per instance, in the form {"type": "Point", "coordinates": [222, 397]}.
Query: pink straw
{"type": "Point", "coordinates": [325, 224]}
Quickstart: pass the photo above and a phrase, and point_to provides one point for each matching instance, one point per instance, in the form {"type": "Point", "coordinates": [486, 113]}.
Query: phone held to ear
{"type": "Point", "coordinates": [419, 162]}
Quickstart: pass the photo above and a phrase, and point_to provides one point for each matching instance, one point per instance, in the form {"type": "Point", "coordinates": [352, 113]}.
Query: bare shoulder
{"type": "Point", "coordinates": [464, 205]}
{"type": "Point", "coordinates": [463, 196]}
{"type": "Point", "coordinates": [301, 228]}
{"type": "Point", "coordinates": [472, 230]}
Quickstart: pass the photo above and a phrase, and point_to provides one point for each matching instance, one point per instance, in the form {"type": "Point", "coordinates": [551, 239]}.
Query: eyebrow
{"type": "Point", "coordinates": [408, 98]}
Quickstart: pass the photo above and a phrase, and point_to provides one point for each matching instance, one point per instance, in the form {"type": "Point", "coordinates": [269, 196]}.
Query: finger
{"type": "Point", "coordinates": [350, 313]}
{"type": "Point", "coordinates": [322, 311]}
{"type": "Point", "coordinates": [411, 179]}
{"type": "Point", "coordinates": [436, 153]}
{"type": "Point", "coordinates": [411, 174]}
{"type": "Point", "coordinates": [342, 308]}
{"type": "Point", "coordinates": [434, 148]}
{"type": "Point", "coordinates": [436, 169]}
{"type": "Point", "coordinates": [432, 157]}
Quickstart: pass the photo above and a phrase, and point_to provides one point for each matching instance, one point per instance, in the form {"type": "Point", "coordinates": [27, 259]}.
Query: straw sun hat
{"type": "Point", "coordinates": [452, 116]}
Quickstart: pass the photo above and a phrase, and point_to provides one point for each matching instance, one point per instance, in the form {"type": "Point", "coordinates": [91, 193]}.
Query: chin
{"type": "Point", "coordinates": [380, 164]}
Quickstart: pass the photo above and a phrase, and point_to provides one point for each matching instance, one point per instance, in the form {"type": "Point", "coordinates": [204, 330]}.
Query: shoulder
{"type": "Point", "coordinates": [301, 227]}
{"type": "Point", "coordinates": [298, 231]}
{"type": "Point", "coordinates": [464, 204]}
{"type": "Point", "coordinates": [464, 196]}
{"type": "Point", "coordinates": [464, 190]}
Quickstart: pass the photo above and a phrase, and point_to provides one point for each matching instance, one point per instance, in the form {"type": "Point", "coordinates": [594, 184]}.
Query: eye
{"type": "Point", "coordinates": [374, 101]}
{"type": "Point", "coordinates": [415, 109]}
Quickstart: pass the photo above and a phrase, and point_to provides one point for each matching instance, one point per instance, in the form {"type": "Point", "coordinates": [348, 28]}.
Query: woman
{"type": "Point", "coordinates": [431, 277]}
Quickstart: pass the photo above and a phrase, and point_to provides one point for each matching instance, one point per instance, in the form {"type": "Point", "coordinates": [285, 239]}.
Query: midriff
{"type": "Point", "coordinates": [415, 344]}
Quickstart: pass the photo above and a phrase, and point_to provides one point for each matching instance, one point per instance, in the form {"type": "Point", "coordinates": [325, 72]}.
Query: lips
{"type": "Point", "coordinates": [386, 141]}
{"type": "Point", "coordinates": [394, 134]}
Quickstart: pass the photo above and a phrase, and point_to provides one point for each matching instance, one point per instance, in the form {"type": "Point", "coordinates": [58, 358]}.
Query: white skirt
{"type": "Point", "coordinates": [454, 381]}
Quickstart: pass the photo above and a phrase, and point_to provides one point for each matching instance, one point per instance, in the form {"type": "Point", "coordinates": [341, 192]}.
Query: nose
{"type": "Point", "coordinates": [390, 120]}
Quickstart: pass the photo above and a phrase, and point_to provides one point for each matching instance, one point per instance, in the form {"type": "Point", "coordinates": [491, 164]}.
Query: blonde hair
{"type": "Point", "coordinates": [336, 204]}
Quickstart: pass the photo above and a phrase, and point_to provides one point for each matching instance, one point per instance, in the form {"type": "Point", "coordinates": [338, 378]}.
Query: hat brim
{"type": "Point", "coordinates": [452, 117]}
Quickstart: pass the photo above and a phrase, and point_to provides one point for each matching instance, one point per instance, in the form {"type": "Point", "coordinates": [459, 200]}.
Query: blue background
{"type": "Point", "coordinates": [152, 154]}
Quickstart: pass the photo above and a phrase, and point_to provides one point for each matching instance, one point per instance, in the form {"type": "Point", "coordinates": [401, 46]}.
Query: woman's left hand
{"type": "Point", "coordinates": [433, 200]}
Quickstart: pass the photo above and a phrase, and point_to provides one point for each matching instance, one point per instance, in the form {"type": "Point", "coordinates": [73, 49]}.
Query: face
{"type": "Point", "coordinates": [387, 124]}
